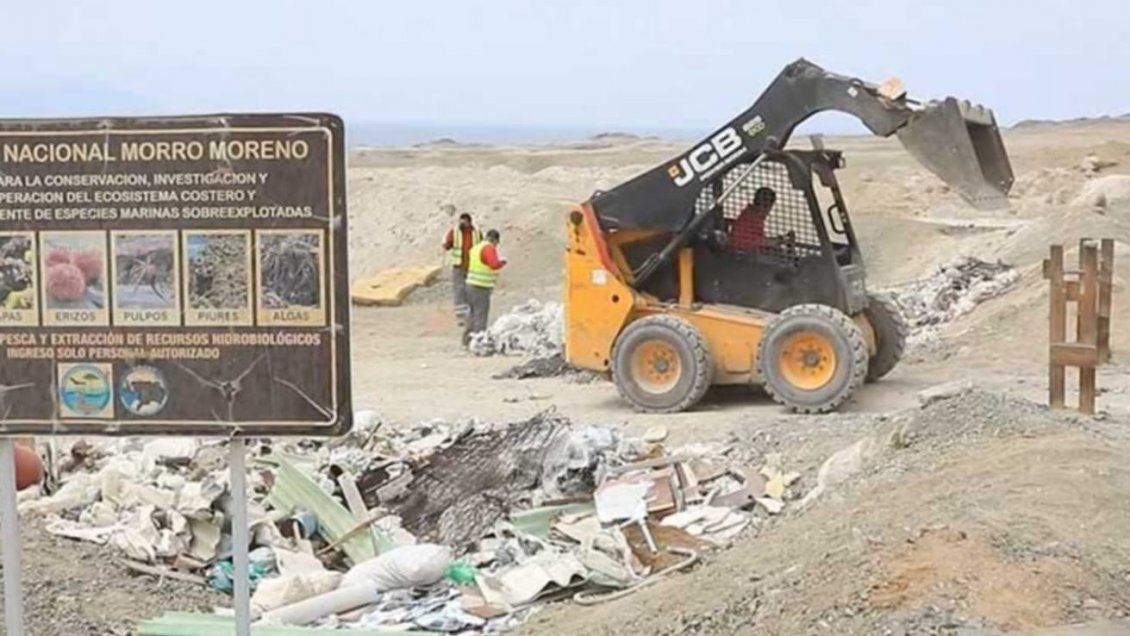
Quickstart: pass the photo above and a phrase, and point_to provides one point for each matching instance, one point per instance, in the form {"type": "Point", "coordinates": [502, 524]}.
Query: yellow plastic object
{"type": "Point", "coordinates": [390, 287]}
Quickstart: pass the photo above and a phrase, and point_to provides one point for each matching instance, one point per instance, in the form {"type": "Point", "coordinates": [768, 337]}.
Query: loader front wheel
{"type": "Point", "coordinates": [660, 364]}
{"type": "Point", "coordinates": [812, 358]}
{"type": "Point", "coordinates": [890, 335]}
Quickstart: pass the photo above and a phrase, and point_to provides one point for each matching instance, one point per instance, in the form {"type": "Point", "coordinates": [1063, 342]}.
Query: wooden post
{"type": "Point", "coordinates": [1090, 288]}
{"type": "Point", "coordinates": [1106, 291]}
{"type": "Point", "coordinates": [1087, 322]}
{"type": "Point", "coordinates": [1057, 322]}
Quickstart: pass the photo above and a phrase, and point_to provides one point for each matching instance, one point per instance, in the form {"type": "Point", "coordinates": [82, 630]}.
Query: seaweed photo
{"type": "Point", "coordinates": [74, 275]}
{"type": "Point", "coordinates": [145, 271]}
{"type": "Point", "coordinates": [218, 276]}
{"type": "Point", "coordinates": [17, 272]}
{"type": "Point", "coordinates": [290, 269]}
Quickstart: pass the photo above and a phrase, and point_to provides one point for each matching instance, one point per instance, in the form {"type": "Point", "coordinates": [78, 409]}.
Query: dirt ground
{"type": "Point", "coordinates": [989, 512]}
{"type": "Point", "coordinates": [72, 588]}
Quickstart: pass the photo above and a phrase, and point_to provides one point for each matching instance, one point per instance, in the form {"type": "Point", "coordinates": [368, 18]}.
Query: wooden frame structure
{"type": "Point", "coordinates": [1090, 288]}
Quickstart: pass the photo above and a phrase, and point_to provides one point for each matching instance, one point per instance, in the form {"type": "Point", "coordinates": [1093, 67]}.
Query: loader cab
{"type": "Point", "coordinates": [806, 251]}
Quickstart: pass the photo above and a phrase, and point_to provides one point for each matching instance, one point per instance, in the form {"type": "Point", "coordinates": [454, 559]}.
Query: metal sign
{"type": "Point", "coordinates": [174, 276]}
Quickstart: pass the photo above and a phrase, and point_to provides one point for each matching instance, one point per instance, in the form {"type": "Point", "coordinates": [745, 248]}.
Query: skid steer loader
{"type": "Point", "coordinates": [663, 291]}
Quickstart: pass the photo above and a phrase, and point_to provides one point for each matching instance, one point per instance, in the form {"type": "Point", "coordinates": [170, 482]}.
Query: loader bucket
{"type": "Point", "coordinates": [960, 143]}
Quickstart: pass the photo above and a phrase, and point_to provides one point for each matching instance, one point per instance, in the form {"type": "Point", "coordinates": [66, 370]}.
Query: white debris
{"type": "Point", "coordinates": [533, 328]}
{"type": "Point", "coordinates": [169, 449]}
{"type": "Point", "coordinates": [301, 576]}
{"type": "Point", "coordinates": [578, 461]}
{"type": "Point", "coordinates": [953, 291]}
{"type": "Point", "coordinates": [365, 421]}
{"type": "Point", "coordinates": [716, 524]}
{"type": "Point", "coordinates": [81, 489]}
{"type": "Point", "coordinates": [402, 568]}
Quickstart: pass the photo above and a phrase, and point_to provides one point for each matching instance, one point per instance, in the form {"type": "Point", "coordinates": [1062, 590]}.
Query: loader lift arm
{"type": "Point", "coordinates": [957, 141]}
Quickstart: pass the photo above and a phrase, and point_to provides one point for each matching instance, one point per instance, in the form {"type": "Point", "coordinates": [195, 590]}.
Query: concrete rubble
{"type": "Point", "coordinates": [442, 527]}
{"type": "Point", "coordinates": [954, 290]}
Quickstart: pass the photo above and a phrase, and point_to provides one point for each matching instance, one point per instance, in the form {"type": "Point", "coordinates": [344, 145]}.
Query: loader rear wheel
{"type": "Point", "coordinates": [812, 358]}
{"type": "Point", "coordinates": [890, 335]}
{"type": "Point", "coordinates": [660, 364]}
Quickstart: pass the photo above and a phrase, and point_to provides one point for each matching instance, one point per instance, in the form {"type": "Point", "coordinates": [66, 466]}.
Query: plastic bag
{"type": "Point", "coordinates": [402, 568]}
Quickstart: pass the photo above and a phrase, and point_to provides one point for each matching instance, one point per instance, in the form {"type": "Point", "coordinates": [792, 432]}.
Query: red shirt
{"type": "Point", "coordinates": [468, 237]}
{"type": "Point", "coordinates": [747, 232]}
{"type": "Point", "coordinates": [490, 257]}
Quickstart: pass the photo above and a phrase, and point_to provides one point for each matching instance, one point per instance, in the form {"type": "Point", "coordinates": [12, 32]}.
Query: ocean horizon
{"type": "Point", "coordinates": [392, 135]}
{"type": "Point", "coordinates": [365, 134]}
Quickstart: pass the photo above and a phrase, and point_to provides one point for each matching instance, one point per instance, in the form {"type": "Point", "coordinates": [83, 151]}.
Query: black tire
{"type": "Point", "coordinates": [677, 344]}
{"type": "Point", "coordinates": [837, 334]}
{"type": "Point", "coordinates": [890, 335]}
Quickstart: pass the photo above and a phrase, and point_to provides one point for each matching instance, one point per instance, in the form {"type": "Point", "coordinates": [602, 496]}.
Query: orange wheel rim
{"type": "Point", "coordinates": [655, 366]}
{"type": "Point", "coordinates": [807, 360]}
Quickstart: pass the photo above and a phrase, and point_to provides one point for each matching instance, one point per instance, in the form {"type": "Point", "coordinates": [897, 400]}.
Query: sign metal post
{"type": "Point", "coordinates": [10, 519]}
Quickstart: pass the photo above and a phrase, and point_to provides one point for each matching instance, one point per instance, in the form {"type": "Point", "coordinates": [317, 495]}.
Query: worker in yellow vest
{"type": "Point", "coordinates": [458, 243]}
{"type": "Point", "coordinates": [483, 265]}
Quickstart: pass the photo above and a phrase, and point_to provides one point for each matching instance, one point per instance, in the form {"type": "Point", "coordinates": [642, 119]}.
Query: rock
{"type": "Point", "coordinates": [655, 434]}
{"type": "Point", "coordinates": [1104, 191]}
{"type": "Point", "coordinates": [1092, 164]}
{"type": "Point", "coordinates": [843, 464]}
{"type": "Point", "coordinates": [945, 391]}
{"type": "Point", "coordinates": [1092, 604]}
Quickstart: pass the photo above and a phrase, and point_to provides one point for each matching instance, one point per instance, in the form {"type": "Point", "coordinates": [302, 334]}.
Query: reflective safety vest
{"type": "Point", "coordinates": [456, 251]}
{"type": "Point", "coordinates": [479, 273]}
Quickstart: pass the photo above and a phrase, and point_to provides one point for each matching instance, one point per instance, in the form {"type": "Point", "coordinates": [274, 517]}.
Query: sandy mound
{"type": "Point", "coordinates": [1104, 191]}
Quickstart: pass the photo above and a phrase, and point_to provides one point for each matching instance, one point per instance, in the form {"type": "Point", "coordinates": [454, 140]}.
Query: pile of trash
{"type": "Point", "coordinates": [953, 291]}
{"type": "Point", "coordinates": [444, 527]}
{"type": "Point", "coordinates": [533, 328]}
{"type": "Point", "coordinates": [537, 331]}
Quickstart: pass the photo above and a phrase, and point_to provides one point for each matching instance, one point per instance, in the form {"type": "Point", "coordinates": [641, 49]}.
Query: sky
{"type": "Point", "coordinates": [634, 65]}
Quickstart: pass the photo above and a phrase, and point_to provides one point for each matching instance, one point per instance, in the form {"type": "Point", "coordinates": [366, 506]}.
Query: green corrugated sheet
{"type": "Point", "coordinates": [185, 624]}
{"type": "Point", "coordinates": [294, 490]}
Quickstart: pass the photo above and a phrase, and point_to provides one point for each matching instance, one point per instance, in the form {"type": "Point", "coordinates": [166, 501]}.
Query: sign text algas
{"type": "Point", "coordinates": [174, 276]}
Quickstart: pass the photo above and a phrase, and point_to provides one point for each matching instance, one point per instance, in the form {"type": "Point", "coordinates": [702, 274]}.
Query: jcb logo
{"type": "Point", "coordinates": [706, 157]}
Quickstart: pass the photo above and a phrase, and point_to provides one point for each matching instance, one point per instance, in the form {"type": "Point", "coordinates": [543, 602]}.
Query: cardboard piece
{"type": "Point", "coordinates": [390, 287]}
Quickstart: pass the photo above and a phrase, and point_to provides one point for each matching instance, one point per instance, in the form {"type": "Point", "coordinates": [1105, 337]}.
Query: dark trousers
{"type": "Point", "coordinates": [459, 287]}
{"type": "Point", "coordinates": [478, 298]}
